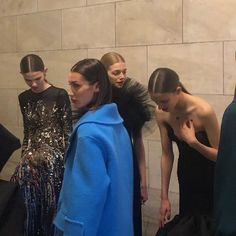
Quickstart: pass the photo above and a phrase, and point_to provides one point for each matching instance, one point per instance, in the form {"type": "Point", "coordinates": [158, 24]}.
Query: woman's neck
{"type": "Point", "coordinates": [184, 105]}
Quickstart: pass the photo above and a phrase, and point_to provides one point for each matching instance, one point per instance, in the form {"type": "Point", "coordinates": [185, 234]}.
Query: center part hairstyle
{"type": "Point", "coordinates": [111, 58]}
{"type": "Point", "coordinates": [164, 80]}
{"type": "Point", "coordinates": [93, 72]}
{"type": "Point", "coordinates": [31, 63]}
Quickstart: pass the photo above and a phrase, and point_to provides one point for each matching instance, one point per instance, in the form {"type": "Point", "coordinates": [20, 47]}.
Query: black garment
{"type": "Point", "coordinates": [136, 108]}
{"type": "Point", "coordinates": [8, 144]}
{"type": "Point", "coordinates": [12, 210]}
{"type": "Point", "coordinates": [225, 175]}
{"type": "Point", "coordinates": [196, 177]}
{"type": "Point", "coordinates": [47, 126]}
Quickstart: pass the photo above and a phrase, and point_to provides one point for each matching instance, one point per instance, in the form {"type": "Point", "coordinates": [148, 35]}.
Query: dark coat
{"type": "Point", "coordinates": [225, 175]}
{"type": "Point", "coordinates": [12, 210]}
{"type": "Point", "coordinates": [8, 144]}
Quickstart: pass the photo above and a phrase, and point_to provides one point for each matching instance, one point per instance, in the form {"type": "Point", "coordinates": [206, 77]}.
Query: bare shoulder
{"type": "Point", "coordinates": [204, 109]}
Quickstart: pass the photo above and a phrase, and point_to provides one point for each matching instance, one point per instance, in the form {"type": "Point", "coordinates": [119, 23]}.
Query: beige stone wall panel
{"type": "Point", "coordinates": [93, 2]}
{"type": "Point", "coordinates": [142, 22]}
{"type": "Point", "coordinates": [88, 27]}
{"type": "Point", "coordinates": [15, 7]}
{"type": "Point", "coordinates": [10, 72]}
{"type": "Point", "coordinates": [41, 31]}
{"type": "Point", "coordinates": [59, 64]}
{"type": "Point", "coordinates": [44, 5]}
{"type": "Point", "coordinates": [200, 65]}
{"type": "Point", "coordinates": [8, 34]}
{"type": "Point", "coordinates": [209, 20]}
{"type": "Point", "coordinates": [229, 67]}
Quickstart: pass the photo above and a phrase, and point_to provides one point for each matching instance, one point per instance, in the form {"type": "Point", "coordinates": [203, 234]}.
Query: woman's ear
{"type": "Point", "coordinates": [178, 90]}
{"type": "Point", "coordinates": [96, 88]}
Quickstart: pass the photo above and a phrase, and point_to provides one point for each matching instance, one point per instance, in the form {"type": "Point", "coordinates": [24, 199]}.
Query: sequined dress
{"type": "Point", "coordinates": [47, 125]}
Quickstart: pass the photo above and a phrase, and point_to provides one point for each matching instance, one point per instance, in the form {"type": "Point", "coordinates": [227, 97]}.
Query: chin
{"type": "Point", "coordinates": [165, 110]}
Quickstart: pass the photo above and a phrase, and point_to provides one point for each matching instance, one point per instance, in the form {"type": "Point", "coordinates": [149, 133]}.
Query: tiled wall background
{"type": "Point", "coordinates": [197, 38]}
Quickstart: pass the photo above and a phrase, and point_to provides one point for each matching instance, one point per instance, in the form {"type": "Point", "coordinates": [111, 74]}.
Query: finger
{"type": "Point", "coordinates": [161, 224]}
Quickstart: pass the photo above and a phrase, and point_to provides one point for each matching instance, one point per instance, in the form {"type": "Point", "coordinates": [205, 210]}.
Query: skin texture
{"type": "Point", "coordinates": [36, 80]}
{"type": "Point", "coordinates": [117, 75]}
{"type": "Point", "coordinates": [81, 92]}
{"type": "Point", "coordinates": [186, 114]}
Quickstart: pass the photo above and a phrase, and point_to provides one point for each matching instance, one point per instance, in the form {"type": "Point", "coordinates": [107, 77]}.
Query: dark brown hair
{"type": "Point", "coordinates": [111, 58]}
{"type": "Point", "coordinates": [31, 63]}
{"type": "Point", "coordinates": [94, 72]}
{"type": "Point", "coordinates": [164, 80]}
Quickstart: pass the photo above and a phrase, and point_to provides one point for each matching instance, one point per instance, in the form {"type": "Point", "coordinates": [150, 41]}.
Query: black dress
{"type": "Point", "coordinates": [47, 125]}
{"type": "Point", "coordinates": [196, 178]}
{"type": "Point", "coordinates": [136, 109]}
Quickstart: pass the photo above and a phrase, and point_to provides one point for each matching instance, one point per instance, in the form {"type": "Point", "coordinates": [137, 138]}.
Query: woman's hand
{"type": "Point", "coordinates": [187, 132]}
{"type": "Point", "coordinates": [144, 194]}
{"type": "Point", "coordinates": [165, 212]}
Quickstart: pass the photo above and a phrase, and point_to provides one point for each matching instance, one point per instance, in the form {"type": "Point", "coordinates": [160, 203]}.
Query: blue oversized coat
{"type": "Point", "coordinates": [97, 191]}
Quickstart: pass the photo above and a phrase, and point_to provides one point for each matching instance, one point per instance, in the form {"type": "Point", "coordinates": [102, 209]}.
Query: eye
{"type": "Point", "coordinates": [74, 85]}
{"type": "Point", "coordinates": [116, 72]}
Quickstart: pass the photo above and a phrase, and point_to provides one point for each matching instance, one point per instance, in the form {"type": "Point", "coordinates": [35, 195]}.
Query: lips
{"type": "Point", "coordinates": [73, 100]}
{"type": "Point", "coordinates": [120, 84]}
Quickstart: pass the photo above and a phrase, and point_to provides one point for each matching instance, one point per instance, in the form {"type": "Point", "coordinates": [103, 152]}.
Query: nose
{"type": "Point", "coordinates": [33, 84]}
{"type": "Point", "coordinates": [69, 92]}
{"type": "Point", "coordinates": [122, 75]}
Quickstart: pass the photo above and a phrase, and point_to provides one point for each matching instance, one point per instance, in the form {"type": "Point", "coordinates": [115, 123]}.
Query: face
{"type": "Point", "coordinates": [81, 92]}
{"type": "Point", "coordinates": [117, 74]}
{"type": "Point", "coordinates": [165, 101]}
{"type": "Point", "coordinates": [36, 80]}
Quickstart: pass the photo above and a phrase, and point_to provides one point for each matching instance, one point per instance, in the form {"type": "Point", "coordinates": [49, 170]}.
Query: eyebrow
{"type": "Point", "coordinates": [34, 78]}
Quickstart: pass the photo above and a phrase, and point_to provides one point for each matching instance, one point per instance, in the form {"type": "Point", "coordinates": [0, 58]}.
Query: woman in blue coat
{"type": "Point", "coordinates": [96, 196]}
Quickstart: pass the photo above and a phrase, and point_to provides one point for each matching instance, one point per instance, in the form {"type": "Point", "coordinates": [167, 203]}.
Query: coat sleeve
{"type": "Point", "coordinates": [89, 183]}
{"type": "Point", "coordinates": [225, 175]}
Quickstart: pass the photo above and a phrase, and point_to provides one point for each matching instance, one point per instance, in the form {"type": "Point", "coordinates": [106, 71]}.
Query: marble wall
{"type": "Point", "coordinates": [197, 38]}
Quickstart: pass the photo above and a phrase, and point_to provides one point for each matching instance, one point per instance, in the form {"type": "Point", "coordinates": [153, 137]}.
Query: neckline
{"type": "Point", "coordinates": [42, 91]}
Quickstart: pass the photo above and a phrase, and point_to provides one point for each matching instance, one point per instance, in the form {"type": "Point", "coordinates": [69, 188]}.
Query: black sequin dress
{"type": "Point", "coordinates": [137, 110]}
{"type": "Point", "coordinates": [196, 178]}
{"type": "Point", "coordinates": [47, 125]}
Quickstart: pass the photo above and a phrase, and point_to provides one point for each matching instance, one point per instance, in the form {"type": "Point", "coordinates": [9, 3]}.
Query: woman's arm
{"type": "Point", "coordinates": [140, 154]}
{"type": "Point", "coordinates": [66, 115]}
{"type": "Point", "coordinates": [167, 159]}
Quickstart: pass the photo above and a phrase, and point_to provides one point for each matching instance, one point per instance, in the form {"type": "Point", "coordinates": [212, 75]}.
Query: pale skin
{"type": "Point", "coordinates": [36, 80]}
{"type": "Point", "coordinates": [186, 114]}
{"type": "Point", "coordinates": [81, 93]}
{"type": "Point", "coordinates": [117, 76]}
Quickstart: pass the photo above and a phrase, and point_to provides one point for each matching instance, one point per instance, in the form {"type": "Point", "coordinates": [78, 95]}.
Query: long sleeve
{"type": "Point", "coordinates": [25, 126]}
{"type": "Point", "coordinates": [66, 115]}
